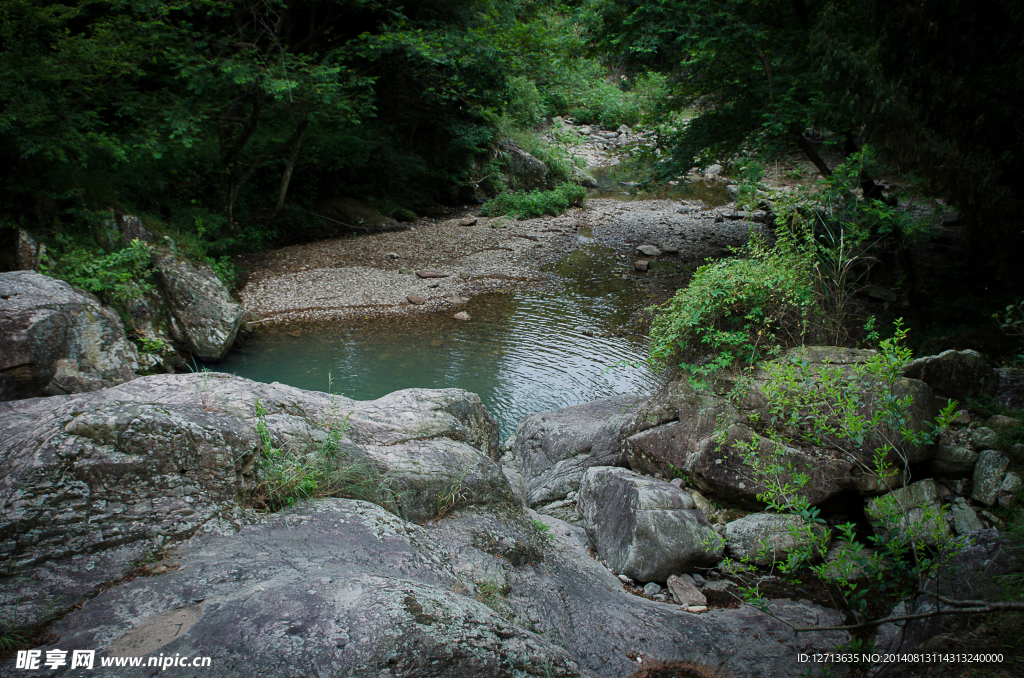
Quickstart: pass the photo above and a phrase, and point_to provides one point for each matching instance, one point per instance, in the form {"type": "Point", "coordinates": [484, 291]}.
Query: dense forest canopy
{"type": "Point", "coordinates": [233, 121]}
{"type": "Point", "coordinates": [935, 85]}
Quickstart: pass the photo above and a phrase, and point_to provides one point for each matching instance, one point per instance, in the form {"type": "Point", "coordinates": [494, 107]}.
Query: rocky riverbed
{"type": "Point", "coordinates": [394, 273]}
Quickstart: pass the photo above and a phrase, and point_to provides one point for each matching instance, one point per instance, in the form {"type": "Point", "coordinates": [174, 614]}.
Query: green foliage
{"type": "Point", "coordinates": [856, 410]}
{"type": "Point", "coordinates": [536, 203]}
{"type": "Point", "coordinates": [453, 496]}
{"type": "Point", "coordinates": [738, 310]}
{"type": "Point", "coordinates": [116, 277]}
{"type": "Point", "coordinates": [320, 469]}
{"type": "Point", "coordinates": [543, 528]}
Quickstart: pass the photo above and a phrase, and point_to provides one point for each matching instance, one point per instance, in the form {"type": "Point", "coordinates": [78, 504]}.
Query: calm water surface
{"type": "Point", "coordinates": [522, 353]}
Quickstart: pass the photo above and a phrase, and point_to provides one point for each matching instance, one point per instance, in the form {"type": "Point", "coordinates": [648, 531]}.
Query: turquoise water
{"type": "Point", "coordinates": [522, 353]}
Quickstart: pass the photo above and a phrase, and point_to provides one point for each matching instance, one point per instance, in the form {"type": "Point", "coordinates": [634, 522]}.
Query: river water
{"type": "Point", "coordinates": [522, 352]}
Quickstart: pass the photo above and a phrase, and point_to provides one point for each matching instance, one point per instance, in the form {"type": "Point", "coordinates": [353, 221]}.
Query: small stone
{"type": "Point", "coordinates": [416, 299]}
{"type": "Point", "coordinates": [405, 271]}
{"type": "Point", "coordinates": [625, 580]}
{"type": "Point", "coordinates": [713, 171]}
{"type": "Point", "coordinates": [392, 255]}
{"type": "Point", "coordinates": [461, 315]}
{"type": "Point", "coordinates": [696, 608]}
{"type": "Point", "coordinates": [698, 580]}
{"type": "Point", "coordinates": [962, 418]}
{"type": "Point", "coordinates": [463, 275]}
{"type": "Point", "coordinates": [499, 223]}
{"type": "Point", "coordinates": [648, 250]}
{"type": "Point", "coordinates": [651, 589]}
{"type": "Point", "coordinates": [624, 129]}
{"type": "Point", "coordinates": [585, 130]}
{"type": "Point", "coordinates": [684, 591]}
{"type": "Point", "coordinates": [1008, 491]}
{"type": "Point", "coordinates": [678, 482]}
{"type": "Point", "coordinates": [431, 274]}
{"type": "Point", "coordinates": [641, 265]}
{"type": "Point", "coordinates": [984, 438]}
{"type": "Point", "coordinates": [469, 221]}
{"type": "Point", "coordinates": [989, 473]}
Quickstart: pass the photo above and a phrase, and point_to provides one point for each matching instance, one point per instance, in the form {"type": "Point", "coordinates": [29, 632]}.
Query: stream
{"type": "Point", "coordinates": [523, 352]}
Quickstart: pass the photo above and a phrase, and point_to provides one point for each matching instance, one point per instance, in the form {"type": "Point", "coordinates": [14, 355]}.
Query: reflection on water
{"type": "Point", "coordinates": [522, 353]}
{"type": "Point", "coordinates": [610, 182]}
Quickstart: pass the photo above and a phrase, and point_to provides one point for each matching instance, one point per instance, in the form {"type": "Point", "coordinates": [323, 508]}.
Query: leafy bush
{"type": "Point", "coordinates": [911, 544]}
{"type": "Point", "coordinates": [523, 205]}
{"type": "Point", "coordinates": [115, 277]}
{"type": "Point", "coordinates": [738, 310]}
{"type": "Point", "coordinates": [584, 93]}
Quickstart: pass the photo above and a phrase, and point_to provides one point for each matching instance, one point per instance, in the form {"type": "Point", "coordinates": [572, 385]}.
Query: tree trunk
{"type": "Point", "coordinates": [235, 184]}
{"type": "Point", "coordinates": [811, 154]}
{"type": "Point", "coordinates": [289, 167]}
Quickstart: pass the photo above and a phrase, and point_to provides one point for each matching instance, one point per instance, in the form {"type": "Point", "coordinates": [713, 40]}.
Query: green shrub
{"type": "Point", "coordinates": [738, 310]}
{"type": "Point", "coordinates": [808, 406]}
{"type": "Point", "coordinates": [525, 107]}
{"type": "Point", "coordinates": [584, 94]}
{"type": "Point", "coordinates": [523, 205]}
{"type": "Point", "coordinates": [115, 277]}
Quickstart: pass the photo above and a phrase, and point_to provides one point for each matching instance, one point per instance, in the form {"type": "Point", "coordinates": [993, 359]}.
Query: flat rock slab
{"type": "Point", "coordinates": [343, 588]}
{"type": "Point", "coordinates": [416, 299]}
{"type": "Point", "coordinates": [431, 274]}
{"type": "Point", "coordinates": [91, 483]}
{"type": "Point", "coordinates": [337, 587]}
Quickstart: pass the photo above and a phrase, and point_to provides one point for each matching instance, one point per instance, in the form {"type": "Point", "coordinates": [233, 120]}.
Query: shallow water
{"type": "Point", "coordinates": [522, 353]}
{"type": "Point", "coordinates": [612, 183]}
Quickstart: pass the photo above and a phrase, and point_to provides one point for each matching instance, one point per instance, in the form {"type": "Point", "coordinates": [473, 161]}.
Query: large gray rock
{"type": "Point", "coordinates": [550, 451]}
{"type": "Point", "coordinates": [89, 484]}
{"type": "Point", "coordinates": [204, 318]}
{"type": "Point", "coordinates": [965, 520]}
{"type": "Point", "coordinates": [342, 588]}
{"type": "Point", "coordinates": [29, 252]}
{"type": "Point", "coordinates": [912, 511]}
{"type": "Point", "coordinates": [1009, 491]}
{"type": "Point", "coordinates": [525, 171]}
{"type": "Point", "coordinates": [1010, 391]}
{"type": "Point", "coordinates": [708, 433]}
{"type": "Point", "coordinates": [955, 374]}
{"type": "Point", "coordinates": [721, 466]}
{"type": "Point", "coordinates": [644, 528]}
{"type": "Point", "coordinates": [764, 538]}
{"type": "Point", "coordinates": [54, 340]}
